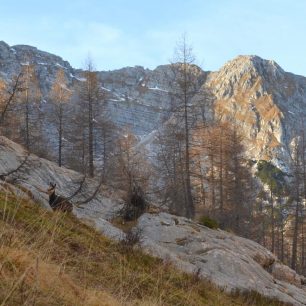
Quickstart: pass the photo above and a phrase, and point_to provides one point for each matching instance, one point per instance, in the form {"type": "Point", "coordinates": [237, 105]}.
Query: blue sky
{"type": "Point", "coordinates": [119, 33]}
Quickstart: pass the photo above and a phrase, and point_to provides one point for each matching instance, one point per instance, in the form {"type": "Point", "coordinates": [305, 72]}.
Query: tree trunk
{"type": "Point", "coordinates": [27, 142]}
{"type": "Point", "coordinates": [272, 222]}
{"type": "Point", "coordinates": [221, 175]}
{"type": "Point", "coordinates": [60, 139]}
{"type": "Point", "coordinates": [295, 237]}
{"type": "Point", "coordinates": [90, 137]}
{"type": "Point", "coordinates": [190, 205]}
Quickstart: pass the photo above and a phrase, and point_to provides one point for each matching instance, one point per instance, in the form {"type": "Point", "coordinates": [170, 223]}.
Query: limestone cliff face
{"type": "Point", "coordinates": [267, 104]}
{"type": "Point", "coordinates": [141, 96]}
{"type": "Point", "coordinates": [137, 97]}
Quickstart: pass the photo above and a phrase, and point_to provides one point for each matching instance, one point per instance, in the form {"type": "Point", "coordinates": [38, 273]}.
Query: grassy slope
{"type": "Point", "coordinates": [52, 259]}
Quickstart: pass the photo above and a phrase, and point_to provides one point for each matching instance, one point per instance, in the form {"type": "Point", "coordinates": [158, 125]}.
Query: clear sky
{"type": "Point", "coordinates": [118, 33]}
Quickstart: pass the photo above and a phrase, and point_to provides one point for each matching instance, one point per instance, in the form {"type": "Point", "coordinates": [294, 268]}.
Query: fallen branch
{"type": "Point", "coordinates": [4, 175]}
{"type": "Point", "coordinates": [78, 204]}
{"type": "Point", "coordinates": [78, 190]}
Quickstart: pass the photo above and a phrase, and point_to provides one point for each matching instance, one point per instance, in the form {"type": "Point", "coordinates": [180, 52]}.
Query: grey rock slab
{"type": "Point", "coordinates": [229, 261]}
{"type": "Point", "coordinates": [38, 172]}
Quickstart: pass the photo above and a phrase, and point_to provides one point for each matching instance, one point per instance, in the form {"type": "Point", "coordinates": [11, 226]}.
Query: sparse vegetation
{"type": "Point", "coordinates": [271, 176]}
{"type": "Point", "coordinates": [206, 221]}
{"type": "Point", "coordinates": [132, 238]}
{"type": "Point", "coordinates": [135, 205]}
{"type": "Point", "coordinates": [54, 259]}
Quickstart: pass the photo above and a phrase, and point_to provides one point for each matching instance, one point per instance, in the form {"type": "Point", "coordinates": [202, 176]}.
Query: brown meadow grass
{"type": "Point", "coordinates": [49, 258]}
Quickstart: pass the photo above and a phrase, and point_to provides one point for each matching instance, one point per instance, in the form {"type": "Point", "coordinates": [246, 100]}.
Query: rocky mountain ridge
{"type": "Point", "coordinates": [267, 104]}
{"type": "Point", "coordinates": [135, 97]}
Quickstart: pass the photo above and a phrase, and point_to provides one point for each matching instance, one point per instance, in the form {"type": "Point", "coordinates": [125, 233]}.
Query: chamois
{"type": "Point", "coordinates": [57, 202]}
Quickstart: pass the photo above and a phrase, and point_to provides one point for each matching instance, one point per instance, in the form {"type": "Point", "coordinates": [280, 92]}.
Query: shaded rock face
{"type": "Point", "coordinates": [227, 260]}
{"type": "Point", "coordinates": [46, 65]}
{"type": "Point", "coordinates": [137, 98]}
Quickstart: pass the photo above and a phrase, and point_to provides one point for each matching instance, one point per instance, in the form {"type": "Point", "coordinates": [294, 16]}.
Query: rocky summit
{"type": "Point", "coordinates": [265, 102]}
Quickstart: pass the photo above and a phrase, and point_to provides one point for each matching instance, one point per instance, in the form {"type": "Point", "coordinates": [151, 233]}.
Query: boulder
{"type": "Point", "coordinates": [231, 262]}
{"type": "Point", "coordinates": [284, 273]}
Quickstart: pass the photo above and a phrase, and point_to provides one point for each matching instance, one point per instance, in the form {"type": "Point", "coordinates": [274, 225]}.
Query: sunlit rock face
{"type": "Point", "coordinates": [267, 104]}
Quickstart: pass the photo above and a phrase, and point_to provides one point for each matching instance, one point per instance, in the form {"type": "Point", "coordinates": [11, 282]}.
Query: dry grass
{"type": "Point", "coordinates": [53, 259]}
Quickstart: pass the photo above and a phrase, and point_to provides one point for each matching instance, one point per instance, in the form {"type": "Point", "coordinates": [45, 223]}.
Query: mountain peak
{"type": "Point", "coordinates": [25, 47]}
{"type": "Point", "coordinates": [4, 44]}
{"type": "Point", "coordinates": [255, 65]}
{"type": "Point", "coordinates": [244, 72]}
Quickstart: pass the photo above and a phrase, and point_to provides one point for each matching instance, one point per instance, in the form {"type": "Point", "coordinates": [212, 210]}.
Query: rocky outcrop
{"type": "Point", "coordinates": [46, 64]}
{"type": "Point", "coordinates": [36, 173]}
{"type": "Point", "coordinates": [284, 273]}
{"type": "Point", "coordinates": [231, 262]}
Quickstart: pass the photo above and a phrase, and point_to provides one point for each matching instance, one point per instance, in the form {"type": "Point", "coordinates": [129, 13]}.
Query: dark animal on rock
{"type": "Point", "coordinates": [57, 202]}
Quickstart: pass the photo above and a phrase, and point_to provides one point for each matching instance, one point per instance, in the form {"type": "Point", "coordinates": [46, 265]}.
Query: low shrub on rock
{"type": "Point", "coordinates": [208, 222]}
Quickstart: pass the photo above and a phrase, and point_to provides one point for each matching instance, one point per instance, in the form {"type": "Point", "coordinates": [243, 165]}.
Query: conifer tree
{"type": "Point", "coordinates": [60, 95]}
{"type": "Point", "coordinates": [184, 86]}
{"type": "Point", "coordinates": [29, 107]}
{"type": "Point", "coordinates": [89, 118]}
